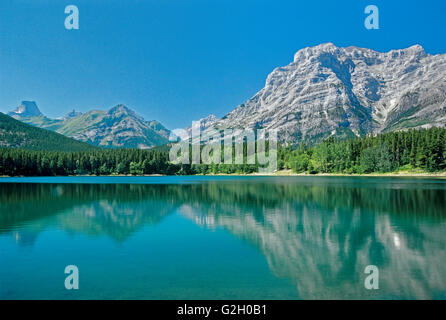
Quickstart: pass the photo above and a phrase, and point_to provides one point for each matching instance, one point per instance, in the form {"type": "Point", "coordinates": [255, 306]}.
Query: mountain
{"type": "Point", "coordinates": [207, 122]}
{"type": "Point", "coordinates": [115, 128]}
{"type": "Point", "coordinates": [72, 114]}
{"type": "Point", "coordinates": [118, 127]}
{"type": "Point", "coordinates": [26, 109]}
{"type": "Point", "coordinates": [204, 123]}
{"type": "Point", "coordinates": [16, 134]}
{"type": "Point", "coordinates": [345, 92]}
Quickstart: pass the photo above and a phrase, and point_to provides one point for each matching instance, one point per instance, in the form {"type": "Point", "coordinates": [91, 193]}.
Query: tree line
{"type": "Point", "coordinates": [405, 150]}
{"type": "Point", "coordinates": [14, 162]}
{"type": "Point", "coordinates": [409, 150]}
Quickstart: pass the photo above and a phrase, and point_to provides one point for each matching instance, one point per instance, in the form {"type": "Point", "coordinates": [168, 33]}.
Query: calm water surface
{"type": "Point", "coordinates": [222, 237]}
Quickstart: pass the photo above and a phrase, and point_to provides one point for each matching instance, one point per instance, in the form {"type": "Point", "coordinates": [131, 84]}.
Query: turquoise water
{"type": "Point", "coordinates": [222, 237]}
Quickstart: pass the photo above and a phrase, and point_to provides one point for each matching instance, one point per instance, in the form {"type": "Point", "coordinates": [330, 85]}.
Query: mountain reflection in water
{"type": "Point", "coordinates": [319, 234]}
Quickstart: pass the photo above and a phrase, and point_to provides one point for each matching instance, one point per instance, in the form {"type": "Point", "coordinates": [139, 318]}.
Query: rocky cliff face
{"type": "Point", "coordinates": [26, 109]}
{"type": "Point", "coordinates": [350, 91]}
{"type": "Point", "coordinates": [203, 123]}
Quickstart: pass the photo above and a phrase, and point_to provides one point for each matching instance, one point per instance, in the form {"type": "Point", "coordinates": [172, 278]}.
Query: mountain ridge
{"type": "Point", "coordinates": [117, 127]}
{"type": "Point", "coordinates": [325, 91]}
{"type": "Point", "coordinates": [328, 90]}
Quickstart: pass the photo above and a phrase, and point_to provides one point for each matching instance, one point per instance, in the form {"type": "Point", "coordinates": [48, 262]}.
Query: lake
{"type": "Point", "coordinates": [222, 237]}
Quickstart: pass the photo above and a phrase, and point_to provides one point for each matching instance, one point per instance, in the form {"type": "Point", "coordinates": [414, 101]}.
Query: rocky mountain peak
{"type": "Point", "coordinates": [72, 114]}
{"type": "Point", "coordinates": [309, 52]}
{"type": "Point", "coordinates": [328, 90]}
{"type": "Point", "coordinates": [121, 110]}
{"type": "Point", "coordinates": [26, 109]}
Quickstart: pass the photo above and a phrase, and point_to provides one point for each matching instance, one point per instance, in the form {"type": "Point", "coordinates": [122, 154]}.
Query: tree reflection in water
{"type": "Point", "coordinates": [318, 233]}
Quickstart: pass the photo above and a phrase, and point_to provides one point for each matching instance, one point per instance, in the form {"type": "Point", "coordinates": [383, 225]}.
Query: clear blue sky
{"type": "Point", "coordinates": [177, 61]}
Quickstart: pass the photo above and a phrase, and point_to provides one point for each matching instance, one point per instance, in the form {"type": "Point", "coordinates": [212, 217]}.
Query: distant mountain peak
{"type": "Point", "coordinates": [119, 108]}
{"type": "Point", "coordinates": [122, 110]}
{"type": "Point", "coordinates": [26, 109]}
{"type": "Point", "coordinates": [72, 114]}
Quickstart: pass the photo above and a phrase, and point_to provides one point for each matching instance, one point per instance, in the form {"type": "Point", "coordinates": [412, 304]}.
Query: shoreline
{"type": "Point", "coordinates": [387, 174]}
{"type": "Point", "coordinates": [282, 173]}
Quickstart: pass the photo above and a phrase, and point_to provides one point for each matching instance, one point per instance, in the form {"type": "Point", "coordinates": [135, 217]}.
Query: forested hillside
{"type": "Point", "coordinates": [16, 134]}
